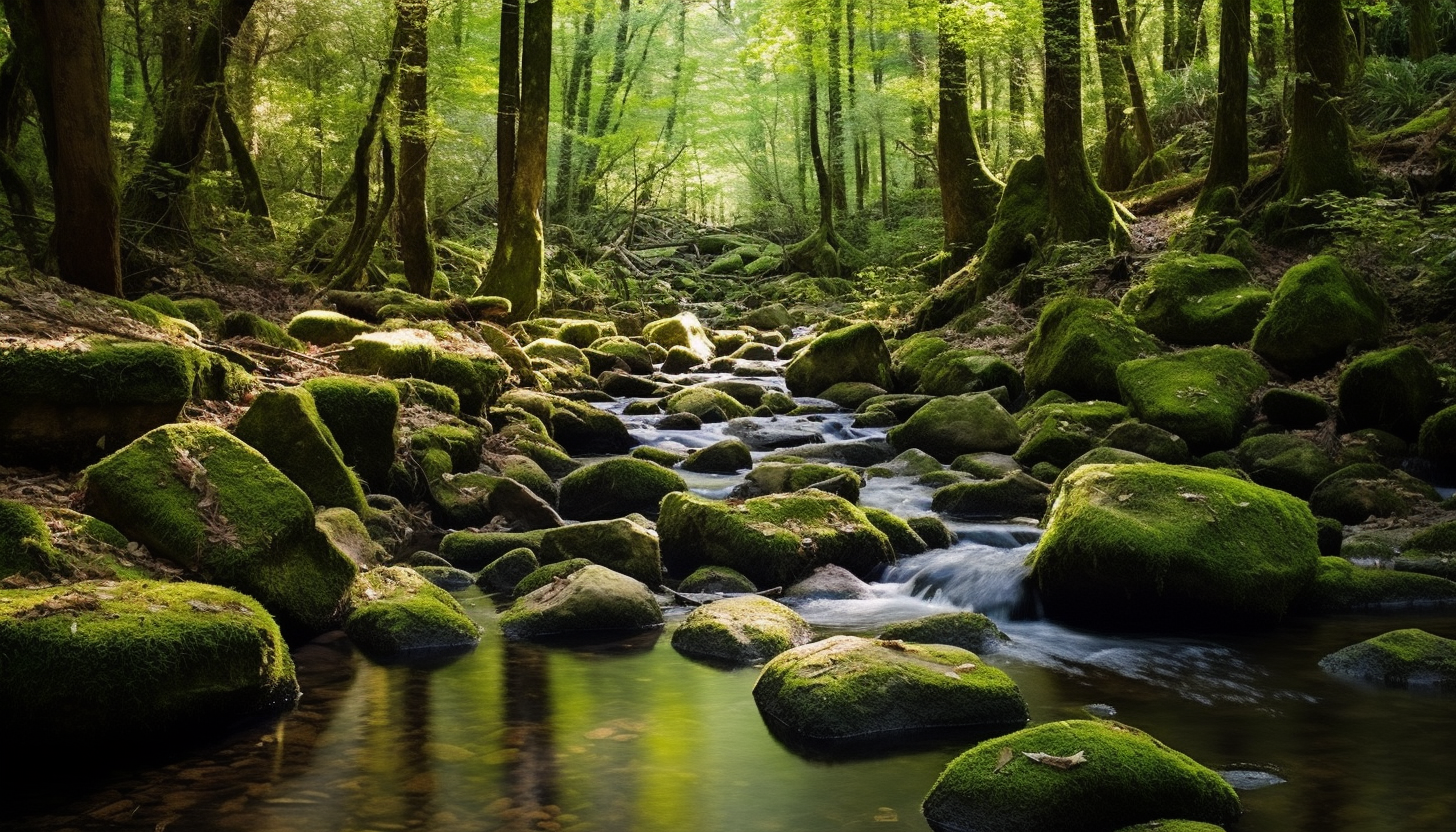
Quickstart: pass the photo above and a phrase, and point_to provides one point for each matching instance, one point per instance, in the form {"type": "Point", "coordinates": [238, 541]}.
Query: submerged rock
{"type": "Point", "coordinates": [397, 611]}
{"type": "Point", "coordinates": [1122, 777]}
{"type": "Point", "coordinates": [847, 687]}
{"type": "Point", "coordinates": [591, 600]}
{"type": "Point", "coordinates": [742, 630]}
{"type": "Point", "coordinates": [1398, 659]}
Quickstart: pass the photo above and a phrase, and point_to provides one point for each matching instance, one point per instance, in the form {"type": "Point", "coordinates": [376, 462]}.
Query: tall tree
{"type": "Point", "coordinates": [591, 151]}
{"type": "Point", "coordinates": [519, 263]}
{"type": "Point", "coordinates": [968, 192]}
{"type": "Point", "coordinates": [919, 113]}
{"type": "Point", "coordinates": [818, 253]}
{"type": "Point", "coordinates": [575, 106]}
{"type": "Point", "coordinates": [1121, 152]}
{"type": "Point", "coordinates": [13, 98]}
{"type": "Point", "coordinates": [65, 58]}
{"type": "Point", "coordinates": [1423, 42]}
{"type": "Point", "coordinates": [834, 115]}
{"type": "Point", "coordinates": [416, 248]}
{"type": "Point", "coordinates": [1228, 165]}
{"type": "Point", "coordinates": [1319, 157]}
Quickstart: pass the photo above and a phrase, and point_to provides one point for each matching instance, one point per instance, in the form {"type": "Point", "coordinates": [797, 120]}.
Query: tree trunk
{"type": "Point", "coordinates": [834, 118]}
{"type": "Point", "coordinates": [1079, 210]}
{"type": "Point", "coordinates": [69, 80]}
{"type": "Point", "coordinates": [968, 192]}
{"type": "Point", "coordinates": [1266, 49]}
{"type": "Point", "coordinates": [1423, 42]}
{"type": "Point", "coordinates": [1015, 97]}
{"type": "Point", "coordinates": [1170, 34]}
{"type": "Point", "coordinates": [1228, 165]}
{"type": "Point", "coordinates": [919, 116]}
{"type": "Point", "coordinates": [255, 201]}
{"type": "Point", "coordinates": [508, 102]}
{"type": "Point", "coordinates": [861, 155]}
{"type": "Point", "coordinates": [1319, 157]}
{"type": "Point", "coordinates": [816, 254]}
{"type": "Point", "coordinates": [416, 248]}
{"type": "Point", "coordinates": [1120, 151]}
{"type": "Point", "coordinates": [578, 83]}
{"type": "Point", "coordinates": [591, 154]}
{"type": "Point", "coordinates": [519, 263]}
{"type": "Point", "coordinates": [17, 189]}
{"type": "Point", "coordinates": [1190, 14]}
{"type": "Point", "coordinates": [879, 79]}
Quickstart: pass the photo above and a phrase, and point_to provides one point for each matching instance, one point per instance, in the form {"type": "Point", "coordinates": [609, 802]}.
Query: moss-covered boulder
{"type": "Point", "coordinates": [474, 550]}
{"type": "Point", "coordinates": [784, 477]}
{"type": "Point", "coordinates": [1054, 441]}
{"type": "Point", "coordinates": [908, 360]}
{"type": "Point", "coordinates": [616, 488]}
{"type": "Point", "coordinates": [903, 538]}
{"type": "Point", "coordinates": [1122, 776]}
{"type": "Point", "coordinates": [1294, 409]}
{"type": "Point", "coordinates": [1319, 311]}
{"type": "Point", "coordinates": [1438, 438]}
{"type": "Point", "coordinates": [1356, 493]}
{"type": "Point", "coordinates": [951, 426]}
{"type": "Point", "coordinates": [634, 355]}
{"type": "Point", "coordinates": [543, 575]}
{"type": "Point", "coordinates": [1079, 344]}
{"type": "Point", "coordinates": [744, 630]}
{"type": "Point", "coordinates": [472, 369]}
{"type": "Point", "coordinates": [503, 573]}
{"type": "Point", "coordinates": [773, 540]}
{"type": "Point", "coordinates": [395, 612]}
{"type": "Point", "coordinates": [1394, 390]}
{"type": "Point", "coordinates": [591, 600]}
{"type": "Point", "coordinates": [953, 372]}
{"type": "Point", "coordinates": [702, 401]}
{"type": "Point", "coordinates": [1149, 440]}
{"type": "Point", "coordinates": [98, 663]}
{"type": "Point", "coordinates": [932, 530]}
{"type": "Point", "coordinates": [362, 416]}
{"type": "Point", "coordinates": [1154, 543]}
{"type": "Point", "coordinates": [853, 353]}
{"type": "Point", "coordinates": [347, 532]}
{"type": "Point", "coordinates": [203, 313]}
{"type": "Point", "coordinates": [621, 545]}
{"type": "Point", "coordinates": [1203, 395]}
{"type": "Point", "coordinates": [716, 579]}
{"type": "Point", "coordinates": [576, 426]}
{"type": "Point", "coordinates": [25, 542]}
{"type": "Point", "coordinates": [683, 330]}
{"type": "Point", "coordinates": [559, 354]}
{"type": "Point", "coordinates": [1398, 659]}
{"type": "Point", "coordinates": [1341, 586]}
{"type": "Point", "coordinates": [851, 394]}
{"type": "Point", "coordinates": [968, 630]}
{"type": "Point", "coordinates": [241, 324]}
{"type": "Point", "coordinates": [323, 328]}
{"type": "Point", "coordinates": [846, 687]}
{"type": "Point", "coordinates": [199, 497]}
{"type": "Point", "coordinates": [284, 426]}
{"type": "Point", "coordinates": [1285, 461]}
{"type": "Point", "coordinates": [828, 583]}
{"type": "Point", "coordinates": [1179, 825]}
{"type": "Point", "coordinates": [1015, 495]}
{"type": "Point", "coordinates": [1197, 299]}
{"type": "Point", "coordinates": [727, 456]}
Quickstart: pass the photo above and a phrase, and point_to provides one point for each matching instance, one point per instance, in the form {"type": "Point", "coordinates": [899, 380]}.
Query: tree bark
{"type": "Point", "coordinates": [255, 201]}
{"type": "Point", "coordinates": [1229, 158]}
{"type": "Point", "coordinates": [508, 102]}
{"type": "Point", "coordinates": [1190, 15]}
{"type": "Point", "coordinates": [578, 84]}
{"type": "Point", "coordinates": [591, 153]}
{"type": "Point", "coordinates": [1120, 151]}
{"type": "Point", "coordinates": [1266, 49]}
{"type": "Point", "coordinates": [1423, 42]}
{"type": "Point", "coordinates": [816, 254]}
{"type": "Point", "coordinates": [416, 248]}
{"type": "Point", "coordinates": [834, 117]}
{"type": "Point", "coordinates": [968, 192]}
{"type": "Point", "coordinates": [1170, 34]}
{"type": "Point", "coordinates": [18, 193]}
{"type": "Point", "coordinates": [919, 116]}
{"type": "Point", "coordinates": [1015, 97]}
{"type": "Point", "coordinates": [519, 263]}
{"type": "Point", "coordinates": [1319, 157]}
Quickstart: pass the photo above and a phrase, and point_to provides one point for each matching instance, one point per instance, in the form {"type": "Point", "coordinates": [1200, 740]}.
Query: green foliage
{"type": "Point", "coordinates": [1393, 91]}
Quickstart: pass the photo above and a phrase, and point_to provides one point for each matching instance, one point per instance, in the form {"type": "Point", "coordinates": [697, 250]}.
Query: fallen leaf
{"type": "Point", "coordinates": [1003, 758]}
{"type": "Point", "coordinates": [1054, 761]}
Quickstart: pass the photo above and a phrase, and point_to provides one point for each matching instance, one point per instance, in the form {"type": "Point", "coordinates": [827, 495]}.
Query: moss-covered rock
{"type": "Point", "coordinates": [768, 316]}
{"type": "Point", "coordinates": [1166, 825]}
{"type": "Point", "coordinates": [1394, 390]}
{"type": "Point", "coordinates": [1319, 310]}
{"type": "Point", "coordinates": [716, 579]}
{"type": "Point", "coordinates": [395, 611]}
{"type": "Point", "coordinates": [543, 575]}
{"type": "Point", "coordinates": [347, 532]}
{"type": "Point", "coordinates": [25, 542]}
{"type": "Point", "coordinates": [903, 539]}
{"type": "Point", "coordinates": [197, 496]}
{"type": "Point", "coordinates": [324, 329]}
{"type": "Point", "coordinates": [1149, 440]}
{"type": "Point", "coordinates": [951, 426]}
{"type": "Point", "coordinates": [447, 578]}
{"type": "Point", "coordinates": [1197, 299]}
{"type": "Point", "coordinates": [683, 330]}
{"type": "Point", "coordinates": [1400, 658]}
{"type": "Point", "coordinates": [967, 630]}
{"type": "Point", "coordinates": [560, 354]}
{"type": "Point", "coordinates": [105, 662]}
{"type": "Point", "coordinates": [620, 545]}
{"type": "Point", "coordinates": [240, 324]}
{"type": "Point", "coordinates": [784, 477]}
{"type": "Point", "coordinates": [1438, 438]}
{"type": "Point", "coordinates": [1153, 542]}
{"type": "Point", "coordinates": [473, 550]}
{"type": "Point", "coordinates": [616, 487]}
{"type": "Point", "coordinates": [932, 530]}
{"type": "Point", "coordinates": [416, 391]}
{"type": "Point", "coordinates": [986, 465]}
{"type": "Point", "coordinates": [362, 416]}
{"type": "Point", "coordinates": [1014, 495]}
{"type": "Point", "coordinates": [503, 573]}
{"type": "Point", "coordinates": [847, 687]}
{"type": "Point", "coordinates": [853, 353]}
{"type": "Point", "coordinates": [203, 313]}
{"type": "Point", "coordinates": [953, 372]}
{"type": "Point", "coordinates": [634, 355]}
{"type": "Point", "coordinates": [576, 426]}
{"type": "Point", "coordinates": [1284, 461]}
{"type": "Point", "coordinates": [1203, 395]}
{"type": "Point", "coordinates": [658, 456]}
{"type": "Point", "coordinates": [1079, 344]}
{"type": "Point", "coordinates": [909, 359]}
{"type": "Point", "coordinates": [744, 630]}
{"type": "Point", "coordinates": [1054, 441]}
{"type": "Point", "coordinates": [1294, 409]}
{"type": "Point", "coordinates": [1341, 586]}
{"type": "Point", "coordinates": [727, 456]}
{"type": "Point", "coordinates": [472, 369]}
{"type": "Point", "coordinates": [1358, 492]}
{"type": "Point", "coordinates": [591, 600]}
{"type": "Point", "coordinates": [828, 583]}
{"type": "Point", "coordinates": [1126, 777]}
{"type": "Point", "coordinates": [773, 540]}
{"type": "Point", "coordinates": [700, 401]}
{"type": "Point", "coordinates": [851, 394]}
{"type": "Point", "coordinates": [285, 427]}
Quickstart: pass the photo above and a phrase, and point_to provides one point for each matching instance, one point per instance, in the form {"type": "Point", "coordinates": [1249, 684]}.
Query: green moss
{"type": "Point", "coordinates": [682, 330]}
{"type": "Point", "coordinates": [638, 359]}
{"type": "Point", "coordinates": [347, 532]}
{"type": "Point", "coordinates": [203, 313]}
{"type": "Point", "coordinates": [773, 540]}
{"type": "Point", "coordinates": [1341, 586]}
{"type": "Point", "coordinates": [323, 328]}
{"type": "Point", "coordinates": [1400, 658]}
{"type": "Point", "coordinates": [658, 456]}
{"type": "Point", "coordinates": [743, 630]}
{"type": "Point", "coordinates": [241, 324]}
{"type": "Point", "coordinates": [700, 400]}
{"type": "Point", "coordinates": [1128, 777]}
{"type": "Point", "coordinates": [362, 416]}
{"type": "Point", "coordinates": [1438, 438]}
{"type": "Point", "coordinates": [903, 538]}
{"type": "Point", "coordinates": [473, 550]}
{"type": "Point", "coordinates": [615, 488]}
{"type": "Point", "coordinates": [508, 570]}
{"type": "Point", "coordinates": [199, 497]}
{"type": "Point", "coordinates": [25, 542]}
{"type": "Point", "coordinates": [396, 611]}
{"type": "Point", "coordinates": [576, 426]}
{"type": "Point", "coordinates": [910, 358]}
{"type": "Point", "coordinates": [1078, 345]}
{"type": "Point", "coordinates": [1358, 492]}
{"type": "Point", "coordinates": [101, 662]}
{"type": "Point", "coordinates": [1172, 543]}
{"type": "Point", "coordinates": [1284, 461]}
{"type": "Point", "coordinates": [1149, 440]}
{"type": "Point", "coordinates": [985, 465]}
{"type": "Point", "coordinates": [846, 687]}
{"type": "Point", "coordinates": [785, 477]}
{"type": "Point", "coordinates": [1202, 395]}
{"type": "Point", "coordinates": [967, 630]}
{"type": "Point", "coordinates": [1198, 299]}
{"type": "Point", "coordinates": [160, 303]}
{"type": "Point", "coordinates": [1055, 441]}
{"type": "Point", "coordinates": [472, 370]}
{"type": "Point", "coordinates": [543, 575]}
{"type": "Point", "coordinates": [932, 530]}
{"type": "Point", "coordinates": [1014, 495]}
{"type": "Point", "coordinates": [951, 426]}
{"type": "Point", "coordinates": [1393, 390]}
{"type": "Point", "coordinates": [592, 599]}
{"type": "Point", "coordinates": [1440, 538]}
{"type": "Point", "coordinates": [415, 391]}
{"type": "Point", "coordinates": [727, 456]}
{"type": "Point", "coordinates": [1319, 311]}
{"type": "Point", "coordinates": [716, 579]}
{"type": "Point", "coordinates": [620, 545]}
{"type": "Point", "coordinates": [1173, 825]}
{"type": "Point", "coordinates": [967, 371]}
{"type": "Point", "coordinates": [560, 354]}
{"type": "Point", "coordinates": [284, 425]}
{"type": "Point", "coordinates": [853, 353]}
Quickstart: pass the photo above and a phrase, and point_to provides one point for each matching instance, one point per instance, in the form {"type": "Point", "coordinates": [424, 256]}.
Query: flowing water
{"type": "Point", "coordinates": [632, 737]}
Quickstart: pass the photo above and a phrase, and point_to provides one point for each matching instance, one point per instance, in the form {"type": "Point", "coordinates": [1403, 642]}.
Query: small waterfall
{"type": "Point", "coordinates": [971, 575]}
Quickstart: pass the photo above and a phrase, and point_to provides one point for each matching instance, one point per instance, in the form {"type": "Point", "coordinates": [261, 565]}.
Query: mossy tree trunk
{"type": "Point", "coordinates": [816, 254]}
{"type": "Point", "coordinates": [968, 192]}
{"type": "Point", "coordinates": [416, 248]}
{"type": "Point", "coordinates": [1079, 210]}
{"type": "Point", "coordinates": [1423, 42]}
{"type": "Point", "coordinates": [1190, 15]}
{"type": "Point", "coordinates": [255, 201]}
{"type": "Point", "coordinates": [1266, 48]}
{"type": "Point", "coordinates": [18, 193]}
{"type": "Point", "coordinates": [519, 263]}
{"type": "Point", "coordinates": [69, 79]}
{"type": "Point", "coordinates": [1228, 165]}
{"type": "Point", "coordinates": [591, 150]}
{"type": "Point", "coordinates": [919, 115]}
{"type": "Point", "coordinates": [1121, 151]}
{"type": "Point", "coordinates": [1015, 97]}
{"type": "Point", "coordinates": [575, 103]}
{"type": "Point", "coordinates": [834, 113]}
{"type": "Point", "coordinates": [1319, 157]}
{"type": "Point", "coordinates": [1170, 34]}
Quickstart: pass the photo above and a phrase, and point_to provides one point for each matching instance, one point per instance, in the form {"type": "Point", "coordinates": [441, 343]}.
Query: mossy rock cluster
{"type": "Point", "coordinates": [576, 426]}
{"type": "Point", "coordinates": [911, 356]}
{"type": "Point", "coordinates": [474, 371]}
{"type": "Point", "coordinates": [853, 353]}
{"type": "Point", "coordinates": [1356, 493]}
{"type": "Point", "coordinates": [1078, 345]}
{"type": "Point", "coordinates": [395, 611]}
{"type": "Point", "coordinates": [846, 687]}
{"type": "Point", "coordinates": [363, 418]}
{"type": "Point", "coordinates": [1202, 395]}
{"type": "Point", "coordinates": [1196, 300]}
{"type": "Point", "coordinates": [590, 600]}
{"type": "Point", "coordinates": [133, 661]}
{"type": "Point", "coordinates": [684, 330]}
{"type": "Point", "coordinates": [744, 630]}
{"type": "Point", "coordinates": [1154, 543]}
{"type": "Point", "coordinates": [1126, 777]}
{"type": "Point", "coordinates": [284, 426]}
{"type": "Point", "coordinates": [1319, 311]}
{"type": "Point", "coordinates": [620, 545]}
{"type": "Point", "coordinates": [953, 372]}
{"type": "Point", "coordinates": [1400, 658]}
{"type": "Point", "coordinates": [1394, 390]}
{"type": "Point", "coordinates": [1341, 586]}
{"type": "Point", "coordinates": [199, 497]}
